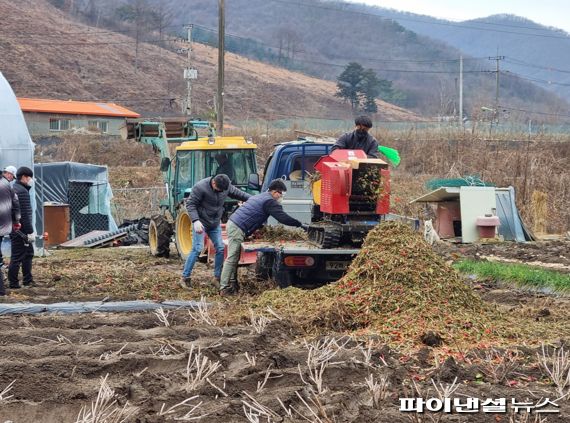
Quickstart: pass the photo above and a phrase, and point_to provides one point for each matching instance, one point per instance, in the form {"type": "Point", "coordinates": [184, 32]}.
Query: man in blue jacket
{"type": "Point", "coordinates": [246, 220]}
{"type": "Point", "coordinates": [205, 207]}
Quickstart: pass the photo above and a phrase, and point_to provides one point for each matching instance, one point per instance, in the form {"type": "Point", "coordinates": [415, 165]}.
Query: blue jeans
{"type": "Point", "coordinates": [198, 245]}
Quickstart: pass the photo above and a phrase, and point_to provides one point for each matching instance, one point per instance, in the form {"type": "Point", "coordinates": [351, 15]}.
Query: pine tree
{"type": "Point", "coordinates": [349, 84]}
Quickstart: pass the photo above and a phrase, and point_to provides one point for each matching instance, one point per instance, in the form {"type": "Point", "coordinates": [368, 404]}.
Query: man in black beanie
{"type": "Point", "coordinates": [22, 240]}
{"type": "Point", "coordinates": [359, 139]}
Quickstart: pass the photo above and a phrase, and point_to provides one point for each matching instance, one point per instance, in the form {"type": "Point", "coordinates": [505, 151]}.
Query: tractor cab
{"type": "Point", "coordinates": [196, 160]}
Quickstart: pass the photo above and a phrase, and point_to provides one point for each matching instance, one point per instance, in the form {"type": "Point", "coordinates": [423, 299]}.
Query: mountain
{"type": "Point", "coordinates": [537, 53]}
{"type": "Point", "coordinates": [321, 37]}
{"type": "Point", "coordinates": [46, 52]}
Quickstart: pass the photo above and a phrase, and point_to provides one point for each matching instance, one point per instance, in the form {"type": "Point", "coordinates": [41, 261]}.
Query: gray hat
{"type": "Point", "coordinates": [11, 169]}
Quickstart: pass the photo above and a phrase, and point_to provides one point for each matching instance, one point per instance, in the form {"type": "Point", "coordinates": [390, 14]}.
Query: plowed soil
{"type": "Point", "coordinates": [57, 361]}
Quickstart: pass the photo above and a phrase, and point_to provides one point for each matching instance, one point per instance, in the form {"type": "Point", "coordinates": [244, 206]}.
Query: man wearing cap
{"type": "Point", "coordinates": [205, 207]}
{"type": "Point", "coordinates": [359, 139]}
{"type": "Point", "coordinates": [22, 239]}
{"type": "Point", "coordinates": [246, 220]}
{"type": "Point", "coordinates": [9, 213]}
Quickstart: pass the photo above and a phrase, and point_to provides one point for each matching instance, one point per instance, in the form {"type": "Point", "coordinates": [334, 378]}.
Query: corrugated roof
{"type": "Point", "coordinates": [440, 194]}
{"type": "Point", "coordinates": [38, 105]}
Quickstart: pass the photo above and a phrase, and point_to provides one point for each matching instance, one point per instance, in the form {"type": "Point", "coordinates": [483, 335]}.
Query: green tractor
{"type": "Point", "coordinates": [186, 158]}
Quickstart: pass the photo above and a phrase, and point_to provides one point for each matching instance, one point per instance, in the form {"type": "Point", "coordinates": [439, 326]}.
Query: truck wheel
{"type": "Point", "coordinates": [283, 278]}
{"type": "Point", "coordinates": [159, 234]}
{"type": "Point", "coordinates": [264, 265]}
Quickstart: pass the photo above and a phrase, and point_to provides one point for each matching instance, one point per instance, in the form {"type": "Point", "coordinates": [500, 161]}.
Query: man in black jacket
{"type": "Point", "coordinates": [246, 220]}
{"type": "Point", "coordinates": [205, 207]}
{"type": "Point", "coordinates": [359, 139]}
{"type": "Point", "coordinates": [22, 239]}
{"type": "Point", "coordinates": [9, 216]}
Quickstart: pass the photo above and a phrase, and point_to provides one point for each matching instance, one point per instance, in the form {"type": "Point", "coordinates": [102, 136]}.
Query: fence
{"type": "Point", "coordinates": [134, 203]}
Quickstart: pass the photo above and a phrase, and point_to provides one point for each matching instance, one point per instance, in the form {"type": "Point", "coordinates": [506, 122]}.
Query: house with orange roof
{"type": "Point", "coordinates": [51, 117]}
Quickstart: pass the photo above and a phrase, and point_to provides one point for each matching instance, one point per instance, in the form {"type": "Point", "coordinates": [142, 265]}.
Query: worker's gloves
{"type": "Point", "coordinates": [16, 227]}
{"type": "Point", "coordinates": [305, 227]}
{"type": "Point", "coordinates": [198, 227]}
{"type": "Point", "coordinates": [31, 237]}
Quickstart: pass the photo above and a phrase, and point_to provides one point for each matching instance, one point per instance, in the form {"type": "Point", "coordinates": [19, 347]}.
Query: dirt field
{"type": "Point", "coordinates": [57, 361]}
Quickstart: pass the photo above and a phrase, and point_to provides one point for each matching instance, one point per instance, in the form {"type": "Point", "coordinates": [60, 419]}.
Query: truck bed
{"type": "Point", "coordinates": [294, 247]}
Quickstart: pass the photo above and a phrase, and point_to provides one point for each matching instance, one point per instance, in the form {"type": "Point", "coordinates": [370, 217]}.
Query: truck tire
{"type": "Point", "coordinates": [159, 234]}
{"type": "Point", "coordinates": [283, 278]}
{"type": "Point", "coordinates": [264, 265]}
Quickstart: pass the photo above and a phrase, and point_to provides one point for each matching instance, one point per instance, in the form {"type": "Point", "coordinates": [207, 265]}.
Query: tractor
{"type": "Point", "coordinates": [190, 151]}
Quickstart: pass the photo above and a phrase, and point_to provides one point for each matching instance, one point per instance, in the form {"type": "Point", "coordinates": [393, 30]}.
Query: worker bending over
{"type": "Point", "coordinates": [246, 220]}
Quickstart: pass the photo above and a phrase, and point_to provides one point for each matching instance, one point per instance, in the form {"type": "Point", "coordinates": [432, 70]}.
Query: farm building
{"type": "Point", "coordinates": [48, 117]}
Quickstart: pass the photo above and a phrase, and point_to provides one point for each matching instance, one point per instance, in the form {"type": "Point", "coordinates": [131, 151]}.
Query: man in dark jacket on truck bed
{"type": "Point", "coordinates": [246, 220]}
{"type": "Point", "coordinates": [205, 207]}
{"type": "Point", "coordinates": [359, 139]}
{"type": "Point", "coordinates": [23, 239]}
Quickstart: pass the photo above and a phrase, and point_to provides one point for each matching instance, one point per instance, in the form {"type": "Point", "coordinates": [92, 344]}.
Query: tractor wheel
{"type": "Point", "coordinates": [183, 233]}
{"type": "Point", "coordinates": [159, 234]}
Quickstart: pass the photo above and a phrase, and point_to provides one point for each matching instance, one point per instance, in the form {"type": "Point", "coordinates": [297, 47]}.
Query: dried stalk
{"type": "Point", "coordinates": [253, 410]}
{"type": "Point", "coordinates": [201, 312]}
{"type": "Point", "coordinates": [378, 390]}
{"type": "Point", "coordinates": [112, 354]}
{"type": "Point", "coordinates": [105, 408]}
{"type": "Point", "coordinates": [261, 383]}
{"type": "Point", "coordinates": [251, 359]}
{"type": "Point", "coordinates": [162, 316]}
{"type": "Point", "coordinates": [198, 369]}
{"type": "Point", "coordinates": [557, 366]}
{"type": "Point", "coordinates": [188, 415]}
{"type": "Point", "coordinates": [445, 391]}
{"type": "Point", "coordinates": [497, 366]}
{"type": "Point", "coordinates": [258, 323]}
{"type": "Point", "coordinates": [4, 394]}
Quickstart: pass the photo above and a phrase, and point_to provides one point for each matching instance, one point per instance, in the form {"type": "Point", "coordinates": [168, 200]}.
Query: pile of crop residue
{"type": "Point", "coordinates": [280, 233]}
{"type": "Point", "coordinates": [399, 288]}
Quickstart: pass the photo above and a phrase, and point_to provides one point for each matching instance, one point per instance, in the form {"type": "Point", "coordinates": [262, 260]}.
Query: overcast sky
{"type": "Point", "coordinates": [547, 12]}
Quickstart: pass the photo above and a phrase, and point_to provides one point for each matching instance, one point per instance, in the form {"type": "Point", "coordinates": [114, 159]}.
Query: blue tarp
{"type": "Point", "coordinates": [511, 227]}
{"type": "Point", "coordinates": [92, 306]}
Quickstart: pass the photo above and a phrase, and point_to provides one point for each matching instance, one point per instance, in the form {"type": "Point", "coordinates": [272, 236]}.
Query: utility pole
{"type": "Point", "coordinates": [461, 91]}
{"type": "Point", "coordinates": [221, 53]}
{"type": "Point", "coordinates": [497, 58]}
{"type": "Point", "coordinates": [189, 75]}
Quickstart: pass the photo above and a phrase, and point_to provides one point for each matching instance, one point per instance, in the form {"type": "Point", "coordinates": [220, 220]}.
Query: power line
{"type": "Point", "coordinates": [531, 65]}
{"type": "Point", "coordinates": [367, 59]}
{"type": "Point", "coordinates": [542, 81]}
{"type": "Point", "coordinates": [294, 3]}
{"type": "Point", "coordinates": [534, 112]}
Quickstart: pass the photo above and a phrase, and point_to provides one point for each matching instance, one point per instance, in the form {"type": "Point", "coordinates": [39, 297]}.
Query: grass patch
{"type": "Point", "coordinates": [521, 275]}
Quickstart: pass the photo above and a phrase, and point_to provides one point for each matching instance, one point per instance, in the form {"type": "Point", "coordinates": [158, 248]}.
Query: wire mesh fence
{"type": "Point", "coordinates": [87, 207]}
{"type": "Point", "coordinates": [135, 203]}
